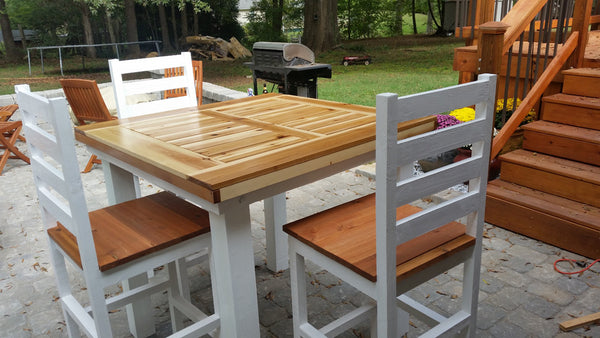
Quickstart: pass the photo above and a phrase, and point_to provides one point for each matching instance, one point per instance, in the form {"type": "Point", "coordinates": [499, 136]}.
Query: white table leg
{"type": "Point", "coordinates": [277, 244]}
{"type": "Point", "coordinates": [234, 273]}
{"type": "Point", "coordinates": [122, 186]}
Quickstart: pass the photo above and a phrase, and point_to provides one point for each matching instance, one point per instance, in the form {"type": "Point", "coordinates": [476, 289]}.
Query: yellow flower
{"type": "Point", "coordinates": [464, 114]}
{"type": "Point", "coordinates": [510, 104]}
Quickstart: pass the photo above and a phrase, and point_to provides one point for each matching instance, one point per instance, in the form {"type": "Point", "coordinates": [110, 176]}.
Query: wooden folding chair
{"type": "Point", "coordinates": [384, 246]}
{"type": "Point", "coordinates": [88, 106]}
{"type": "Point", "coordinates": [9, 134]}
{"type": "Point", "coordinates": [149, 85]}
{"type": "Point", "coordinates": [110, 244]}
{"type": "Point", "coordinates": [170, 72]}
{"type": "Point", "coordinates": [7, 111]}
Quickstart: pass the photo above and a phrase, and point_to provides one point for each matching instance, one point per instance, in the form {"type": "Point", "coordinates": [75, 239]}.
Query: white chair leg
{"type": "Point", "coordinates": [183, 279]}
{"type": "Point", "coordinates": [403, 322]}
{"type": "Point", "coordinates": [99, 310]}
{"type": "Point", "coordinates": [298, 288]}
{"type": "Point", "coordinates": [64, 289]}
{"type": "Point", "coordinates": [470, 293]}
{"type": "Point", "coordinates": [373, 325]}
{"type": "Point", "coordinates": [177, 276]}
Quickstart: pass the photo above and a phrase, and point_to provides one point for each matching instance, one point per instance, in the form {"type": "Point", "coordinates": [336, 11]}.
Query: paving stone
{"type": "Point", "coordinates": [590, 300]}
{"type": "Point", "coordinates": [494, 243]}
{"type": "Point", "coordinates": [527, 254]}
{"type": "Point", "coordinates": [489, 284]}
{"type": "Point", "coordinates": [489, 314]}
{"type": "Point", "coordinates": [509, 298]}
{"type": "Point", "coordinates": [510, 277]}
{"type": "Point", "coordinates": [270, 312]}
{"type": "Point", "coordinates": [532, 323]}
{"type": "Point", "coordinates": [571, 284]}
{"type": "Point", "coordinates": [541, 307]}
{"type": "Point", "coordinates": [550, 292]}
{"type": "Point", "coordinates": [544, 273]}
{"type": "Point", "coordinates": [518, 264]}
{"type": "Point", "coordinates": [505, 329]}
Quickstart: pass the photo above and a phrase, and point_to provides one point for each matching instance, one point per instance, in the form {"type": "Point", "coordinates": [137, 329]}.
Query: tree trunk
{"type": "Point", "coordinates": [111, 29]}
{"type": "Point", "coordinates": [12, 53]}
{"type": "Point", "coordinates": [132, 32]}
{"type": "Point", "coordinates": [398, 22]}
{"type": "Point", "coordinates": [196, 23]}
{"type": "Point", "coordinates": [277, 16]}
{"type": "Point", "coordinates": [184, 21]}
{"type": "Point", "coordinates": [174, 22]}
{"type": "Point", "coordinates": [23, 39]}
{"type": "Point", "coordinates": [164, 28]}
{"type": "Point", "coordinates": [88, 33]}
{"type": "Point", "coordinates": [414, 16]}
{"type": "Point", "coordinates": [320, 25]}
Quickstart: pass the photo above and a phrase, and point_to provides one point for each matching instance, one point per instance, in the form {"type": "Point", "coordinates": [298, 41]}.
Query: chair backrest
{"type": "Point", "coordinates": [397, 185]}
{"type": "Point", "coordinates": [148, 85]}
{"type": "Point", "coordinates": [170, 72]}
{"type": "Point", "coordinates": [7, 111]}
{"type": "Point", "coordinates": [51, 145]}
{"type": "Point", "coordinates": [85, 100]}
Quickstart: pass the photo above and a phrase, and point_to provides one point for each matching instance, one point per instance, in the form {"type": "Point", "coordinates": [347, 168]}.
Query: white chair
{"type": "Point", "coordinates": [181, 81]}
{"type": "Point", "coordinates": [111, 244]}
{"type": "Point", "coordinates": [125, 91]}
{"type": "Point", "coordinates": [384, 246]}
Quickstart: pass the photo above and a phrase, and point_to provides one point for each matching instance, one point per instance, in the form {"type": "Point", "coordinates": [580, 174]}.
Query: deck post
{"type": "Point", "coordinates": [489, 51]}
{"type": "Point", "coordinates": [581, 23]}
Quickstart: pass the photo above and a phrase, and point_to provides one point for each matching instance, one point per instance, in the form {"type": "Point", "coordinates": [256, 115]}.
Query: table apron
{"type": "Point", "coordinates": [247, 198]}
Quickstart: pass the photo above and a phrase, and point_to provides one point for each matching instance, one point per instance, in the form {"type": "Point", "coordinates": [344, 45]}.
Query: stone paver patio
{"type": "Point", "coordinates": [521, 294]}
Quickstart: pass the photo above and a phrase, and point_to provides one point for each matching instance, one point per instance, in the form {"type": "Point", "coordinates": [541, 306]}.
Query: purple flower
{"type": "Point", "coordinates": [444, 121]}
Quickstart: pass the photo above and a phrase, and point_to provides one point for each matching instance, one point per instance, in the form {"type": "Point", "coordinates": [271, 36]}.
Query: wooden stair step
{"type": "Point", "coordinates": [574, 110]}
{"type": "Point", "coordinates": [582, 81]}
{"type": "Point", "coordinates": [570, 142]}
{"type": "Point", "coordinates": [569, 179]}
{"type": "Point", "coordinates": [557, 221]}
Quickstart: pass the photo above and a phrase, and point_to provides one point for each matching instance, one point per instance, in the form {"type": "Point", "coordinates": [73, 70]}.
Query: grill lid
{"type": "Point", "coordinates": [289, 50]}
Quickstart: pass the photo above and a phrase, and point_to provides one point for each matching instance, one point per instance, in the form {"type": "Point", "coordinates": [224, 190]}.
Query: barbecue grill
{"type": "Point", "coordinates": [291, 66]}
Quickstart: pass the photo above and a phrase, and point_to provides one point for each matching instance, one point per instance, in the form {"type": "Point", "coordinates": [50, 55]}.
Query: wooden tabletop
{"type": "Point", "coordinates": [223, 150]}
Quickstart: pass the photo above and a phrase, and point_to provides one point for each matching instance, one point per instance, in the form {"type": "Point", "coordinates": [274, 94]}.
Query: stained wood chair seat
{"type": "Point", "coordinates": [130, 230]}
{"type": "Point", "coordinates": [346, 234]}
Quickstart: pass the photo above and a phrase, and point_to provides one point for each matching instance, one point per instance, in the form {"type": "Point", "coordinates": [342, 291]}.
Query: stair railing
{"type": "Point", "coordinates": [555, 66]}
{"type": "Point", "coordinates": [541, 28]}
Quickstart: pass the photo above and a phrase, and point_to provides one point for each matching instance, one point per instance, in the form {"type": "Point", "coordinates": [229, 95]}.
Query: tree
{"type": "Point", "coordinates": [265, 21]}
{"type": "Point", "coordinates": [132, 32]}
{"type": "Point", "coordinates": [320, 25]}
{"type": "Point", "coordinates": [88, 34]}
{"type": "Point", "coordinates": [12, 53]}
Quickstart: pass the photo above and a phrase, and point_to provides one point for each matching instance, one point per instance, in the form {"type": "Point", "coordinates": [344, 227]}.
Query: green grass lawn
{"type": "Point", "coordinates": [403, 65]}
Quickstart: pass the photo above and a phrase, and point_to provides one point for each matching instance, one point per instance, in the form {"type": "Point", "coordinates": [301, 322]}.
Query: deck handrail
{"type": "Point", "coordinates": [534, 95]}
{"type": "Point", "coordinates": [496, 39]}
{"type": "Point", "coordinates": [519, 18]}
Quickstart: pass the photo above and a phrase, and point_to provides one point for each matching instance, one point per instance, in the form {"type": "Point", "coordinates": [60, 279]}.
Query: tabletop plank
{"type": "Point", "coordinates": [230, 148]}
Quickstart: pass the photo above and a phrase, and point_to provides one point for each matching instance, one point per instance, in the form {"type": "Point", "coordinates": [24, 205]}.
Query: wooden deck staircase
{"type": "Point", "coordinates": [550, 189]}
